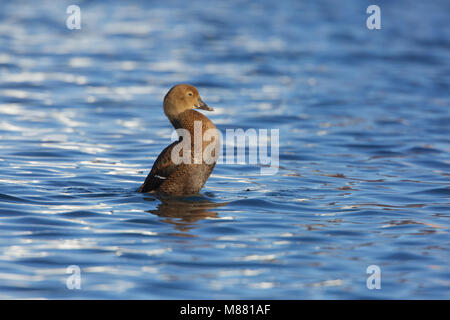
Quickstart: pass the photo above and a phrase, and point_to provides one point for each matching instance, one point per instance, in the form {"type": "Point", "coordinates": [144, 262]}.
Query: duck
{"type": "Point", "coordinates": [169, 175]}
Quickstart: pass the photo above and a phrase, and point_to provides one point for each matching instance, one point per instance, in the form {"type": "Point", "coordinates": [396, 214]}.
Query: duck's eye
{"type": "Point", "coordinates": [190, 94]}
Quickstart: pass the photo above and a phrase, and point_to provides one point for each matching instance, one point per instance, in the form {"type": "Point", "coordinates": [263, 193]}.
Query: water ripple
{"type": "Point", "coordinates": [364, 150]}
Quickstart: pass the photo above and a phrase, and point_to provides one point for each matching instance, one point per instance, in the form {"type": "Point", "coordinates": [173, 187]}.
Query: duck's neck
{"type": "Point", "coordinates": [186, 120]}
{"type": "Point", "coordinates": [194, 122]}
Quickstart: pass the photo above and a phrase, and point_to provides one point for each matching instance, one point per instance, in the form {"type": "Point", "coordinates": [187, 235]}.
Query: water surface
{"type": "Point", "coordinates": [364, 150]}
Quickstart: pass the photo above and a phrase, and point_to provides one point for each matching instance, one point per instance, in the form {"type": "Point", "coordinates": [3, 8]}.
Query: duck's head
{"type": "Point", "coordinates": [183, 97]}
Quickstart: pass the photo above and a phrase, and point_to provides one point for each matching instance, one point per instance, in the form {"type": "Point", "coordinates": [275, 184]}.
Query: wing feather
{"type": "Point", "coordinates": [161, 170]}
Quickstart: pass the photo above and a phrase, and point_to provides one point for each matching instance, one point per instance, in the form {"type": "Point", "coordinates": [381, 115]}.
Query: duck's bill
{"type": "Point", "coordinates": [203, 106]}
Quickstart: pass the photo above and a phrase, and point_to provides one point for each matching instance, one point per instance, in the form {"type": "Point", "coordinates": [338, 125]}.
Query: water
{"type": "Point", "coordinates": [364, 150]}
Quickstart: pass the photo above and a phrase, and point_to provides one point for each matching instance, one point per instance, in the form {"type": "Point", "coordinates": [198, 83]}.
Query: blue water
{"type": "Point", "coordinates": [364, 120]}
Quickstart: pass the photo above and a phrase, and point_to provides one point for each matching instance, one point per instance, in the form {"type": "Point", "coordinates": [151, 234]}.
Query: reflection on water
{"type": "Point", "coordinates": [363, 119]}
{"type": "Point", "coordinates": [184, 213]}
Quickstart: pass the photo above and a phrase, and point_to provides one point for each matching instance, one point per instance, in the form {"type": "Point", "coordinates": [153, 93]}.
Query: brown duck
{"type": "Point", "coordinates": [170, 176]}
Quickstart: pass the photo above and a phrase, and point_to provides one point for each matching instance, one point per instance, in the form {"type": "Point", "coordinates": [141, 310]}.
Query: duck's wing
{"type": "Point", "coordinates": [161, 170]}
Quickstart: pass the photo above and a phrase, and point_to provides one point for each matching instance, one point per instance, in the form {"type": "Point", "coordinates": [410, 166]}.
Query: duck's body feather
{"type": "Point", "coordinates": [167, 177]}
